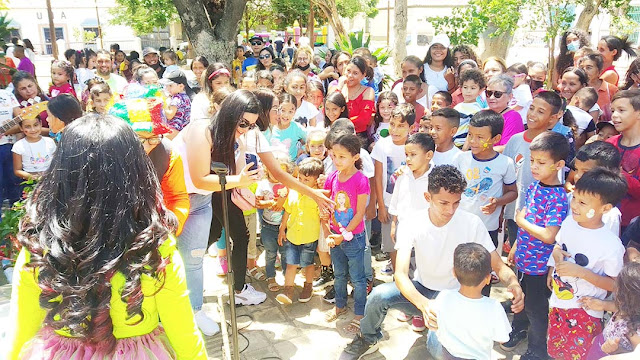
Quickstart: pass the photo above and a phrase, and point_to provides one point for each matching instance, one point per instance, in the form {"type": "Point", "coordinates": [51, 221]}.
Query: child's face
{"type": "Point", "coordinates": [589, 66]}
{"type": "Point", "coordinates": [150, 78]}
{"type": "Point", "coordinates": [399, 130]}
{"type": "Point", "coordinates": [310, 181]}
{"type": "Point", "coordinates": [168, 61]}
{"type": "Point", "coordinates": [606, 132]}
{"type": "Point", "coordinates": [385, 108]}
{"type": "Point", "coordinates": [441, 130]}
{"type": "Point", "coordinates": [265, 84]}
{"type": "Point", "coordinates": [410, 91]}
{"type": "Point", "coordinates": [417, 157]}
{"type": "Point", "coordinates": [91, 64]}
{"type": "Point", "coordinates": [316, 97]}
{"type": "Point", "coordinates": [342, 158]}
{"type": "Point", "coordinates": [287, 111]}
{"type": "Point", "coordinates": [198, 68]}
{"type": "Point", "coordinates": [470, 91]}
{"type": "Point", "coordinates": [119, 57]}
{"type": "Point", "coordinates": [408, 68]}
{"type": "Point", "coordinates": [582, 167]}
{"type": "Point", "coordinates": [438, 102]}
{"type": "Point", "coordinates": [569, 85]}
{"type": "Point", "coordinates": [239, 53]}
{"type": "Point", "coordinates": [354, 75]}
{"type": "Point", "coordinates": [518, 79]}
{"type": "Point", "coordinates": [249, 83]}
{"type": "Point", "coordinates": [297, 87]}
{"type": "Point", "coordinates": [316, 148]}
{"type": "Point", "coordinates": [543, 168]}
{"type": "Point", "coordinates": [539, 115]}
{"type": "Point", "coordinates": [219, 82]}
{"type": "Point", "coordinates": [332, 111]}
{"type": "Point", "coordinates": [480, 139]}
{"type": "Point", "coordinates": [31, 128]}
{"type": "Point", "coordinates": [623, 116]}
{"type": "Point", "coordinates": [425, 126]}
{"type": "Point", "coordinates": [175, 89]}
{"type": "Point", "coordinates": [59, 76]}
{"type": "Point", "coordinates": [586, 207]}
{"type": "Point", "coordinates": [438, 52]}
{"type": "Point", "coordinates": [100, 103]}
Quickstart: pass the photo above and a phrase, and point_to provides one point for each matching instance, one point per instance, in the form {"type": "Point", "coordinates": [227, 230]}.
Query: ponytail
{"type": "Point", "coordinates": [620, 44]}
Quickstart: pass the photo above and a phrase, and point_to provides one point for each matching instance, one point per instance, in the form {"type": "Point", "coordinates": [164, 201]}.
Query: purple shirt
{"type": "Point", "coordinates": [183, 114]}
{"type": "Point", "coordinates": [27, 65]}
{"type": "Point", "coordinates": [512, 125]}
{"type": "Point", "coordinates": [544, 206]}
{"type": "Point", "coordinates": [345, 194]}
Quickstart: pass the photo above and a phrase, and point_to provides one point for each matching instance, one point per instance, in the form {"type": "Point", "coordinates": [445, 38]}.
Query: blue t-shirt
{"type": "Point", "coordinates": [249, 64]}
{"type": "Point", "coordinates": [287, 139]}
{"type": "Point", "coordinates": [545, 205]}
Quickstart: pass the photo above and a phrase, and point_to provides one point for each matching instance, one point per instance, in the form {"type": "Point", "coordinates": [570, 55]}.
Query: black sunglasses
{"type": "Point", "coordinates": [265, 56]}
{"type": "Point", "coordinates": [244, 123]}
{"type": "Point", "coordinates": [494, 93]}
{"type": "Point", "coordinates": [254, 43]}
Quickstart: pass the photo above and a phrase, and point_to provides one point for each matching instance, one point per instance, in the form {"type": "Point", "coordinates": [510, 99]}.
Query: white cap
{"type": "Point", "coordinates": [441, 39]}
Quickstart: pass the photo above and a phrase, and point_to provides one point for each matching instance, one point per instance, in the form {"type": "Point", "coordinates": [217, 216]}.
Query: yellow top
{"type": "Point", "coordinates": [303, 224]}
{"type": "Point", "coordinates": [170, 305]}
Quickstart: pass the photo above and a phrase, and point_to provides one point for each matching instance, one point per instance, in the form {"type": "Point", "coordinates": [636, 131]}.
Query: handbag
{"type": "Point", "coordinates": [243, 198]}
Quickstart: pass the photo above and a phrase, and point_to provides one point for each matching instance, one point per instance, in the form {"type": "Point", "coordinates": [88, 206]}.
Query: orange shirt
{"type": "Point", "coordinates": [605, 95]}
{"type": "Point", "coordinates": [174, 190]}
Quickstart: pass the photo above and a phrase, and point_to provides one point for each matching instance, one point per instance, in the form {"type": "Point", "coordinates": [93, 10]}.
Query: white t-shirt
{"type": "Point", "coordinates": [446, 158]}
{"type": "Point", "coordinates": [37, 156]}
{"type": "Point", "coordinates": [408, 194]}
{"type": "Point", "coordinates": [269, 191]}
{"type": "Point", "coordinates": [595, 249]}
{"type": "Point", "coordinates": [485, 179]}
{"type": "Point", "coordinates": [584, 120]}
{"type": "Point", "coordinates": [467, 327]}
{"type": "Point", "coordinates": [116, 83]}
{"type": "Point", "coordinates": [7, 103]}
{"type": "Point", "coordinates": [611, 218]}
{"type": "Point", "coordinates": [434, 246]}
{"type": "Point", "coordinates": [424, 101]}
{"type": "Point", "coordinates": [522, 97]}
{"type": "Point", "coordinates": [391, 156]}
{"type": "Point", "coordinates": [436, 78]}
{"type": "Point", "coordinates": [200, 107]}
{"type": "Point", "coordinates": [304, 113]}
{"type": "Point", "coordinates": [83, 74]}
{"type": "Point", "coordinates": [381, 126]}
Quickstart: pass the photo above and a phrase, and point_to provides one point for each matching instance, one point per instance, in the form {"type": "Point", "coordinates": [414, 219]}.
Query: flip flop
{"type": "Point", "coordinates": [353, 327]}
{"type": "Point", "coordinates": [256, 273]}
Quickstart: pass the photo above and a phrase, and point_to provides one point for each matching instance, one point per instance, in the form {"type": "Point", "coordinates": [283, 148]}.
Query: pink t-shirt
{"type": "Point", "coordinates": [345, 194]}
{"type": "Point", "coordinates": [512, 125]}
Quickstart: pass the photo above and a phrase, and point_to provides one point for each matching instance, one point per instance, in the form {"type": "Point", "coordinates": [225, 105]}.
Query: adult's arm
{"type": "Point", "coordinates": [406, 287]}
{"type": "Point", "coordinates": [174, 190]}
{"type": "Point", "coordinates": [507, 276]}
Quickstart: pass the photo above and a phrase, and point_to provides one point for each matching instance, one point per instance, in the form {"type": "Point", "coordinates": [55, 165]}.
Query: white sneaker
{"type": "Point", "coordinates": [250, 296]}
{"type": "Point", "coordinates": [206, 324]}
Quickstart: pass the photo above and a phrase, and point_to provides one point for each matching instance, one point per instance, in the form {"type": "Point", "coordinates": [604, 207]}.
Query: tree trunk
{"type": "Point", "coordinates": [246, 24]}
{"type": "Point", "coordinates": [496, 45]}
{"type": "Point", "coordinates": [212, 26]}
{"type": "Point", "coordinates": [310, 25]}
{"type": "Point", "coordinates": [400, 35]}
{"type": "Point", "coordinates": [330, 11]}
{"type": "Point", "coordinates": [591, 8]}
{"type": "Point", "coordinates": [52, 31]}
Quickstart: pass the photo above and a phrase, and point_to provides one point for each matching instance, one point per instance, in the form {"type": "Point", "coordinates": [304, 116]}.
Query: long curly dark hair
{"type": "Point", "coordinates": [565, 58]}
{"type": "Point", "coordinates": [634, 68]}
{"type": "Point", "coordinates": [96, 211]}
{"type": "Point", "coordinates": [627, 295]}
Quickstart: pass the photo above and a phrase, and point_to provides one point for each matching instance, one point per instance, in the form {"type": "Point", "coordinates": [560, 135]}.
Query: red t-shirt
{"type": "Point", "coordinates": [630, 204]}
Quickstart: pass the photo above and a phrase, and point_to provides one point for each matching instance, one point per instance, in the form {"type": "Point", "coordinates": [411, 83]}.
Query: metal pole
{"type": "Point", "coordinates": [221, 170]}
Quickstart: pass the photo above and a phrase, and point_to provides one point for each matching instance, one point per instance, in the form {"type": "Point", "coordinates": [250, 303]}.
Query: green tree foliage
{"type": "Point", "coordinates": [4, 25]}
{"type": "Point", "coordinates": [288, 11]}
{"type": "Point", "coordinates": [351, 8]}
{"type": "Point", "coordinates": [144, 15]}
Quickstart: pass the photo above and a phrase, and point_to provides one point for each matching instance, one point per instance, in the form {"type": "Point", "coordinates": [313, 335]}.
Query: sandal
{"type": "Point", "coordinates": [255, 273]}
{"type": "Point", "coordinates": [273, 285]}
{"type": "Point", "coordinates": [353, 327]}
{"type": "Point", "coordinates": [333, 314]}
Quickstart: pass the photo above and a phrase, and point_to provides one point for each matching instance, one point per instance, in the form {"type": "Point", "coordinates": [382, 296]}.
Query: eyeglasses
{"type": "Point", "coordinates": [494, 93]}
{"type": "Point", "coordinates": [255, 43]}
{"type": "Point", "coordinates": [152, 140]}
{"type": "Point", "coordinates": [244, 123]}
{"type": "Point", "coordinates": [265, 56]}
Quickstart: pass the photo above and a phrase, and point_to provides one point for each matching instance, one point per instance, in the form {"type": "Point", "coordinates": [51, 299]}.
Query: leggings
{"type": "Point", "coordinates": [238, 232]}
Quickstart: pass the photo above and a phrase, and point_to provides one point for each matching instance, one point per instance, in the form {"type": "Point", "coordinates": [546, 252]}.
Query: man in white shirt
{"type": "Point", "coordinates": [9, 182]}
{"type": "Point", "coordinates": [434, 234]}
{"type": "Point", "coordinates": [116, 82]}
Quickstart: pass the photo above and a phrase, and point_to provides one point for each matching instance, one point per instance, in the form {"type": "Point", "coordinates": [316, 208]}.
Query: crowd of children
{"type": "Point", "coordinates": [456, 150]}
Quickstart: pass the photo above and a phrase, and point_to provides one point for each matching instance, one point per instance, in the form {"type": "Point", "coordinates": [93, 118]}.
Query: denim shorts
{"type": "Point", "coordinates": [302, 255]}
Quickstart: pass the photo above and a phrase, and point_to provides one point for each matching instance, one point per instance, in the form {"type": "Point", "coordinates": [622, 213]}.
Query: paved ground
{"type": "Point", "coordinates": [298, 331]}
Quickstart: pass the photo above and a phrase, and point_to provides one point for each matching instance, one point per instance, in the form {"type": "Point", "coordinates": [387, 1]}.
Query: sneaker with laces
{"type": "Point", "coordinates": [330, 296]}
{"type": "Point", "coordinates": [306, 293]}
{"type": "Point", "coordinates": [358, 348]}
{"type": "Point", "coordinates": [388, 269]}
{"type": "Point", "coordinates": [326, 278]}
{"type": "Point", "coordinates": [514, 339]}
{"type": "Point", "coordinates": [286, 297]}
{"type": "Point", "coordinates": [223, 266]}
{"type": "Point", "coordinates": [417, 324]}
{"type": "Point", "coordinates": [402, 317]}
{"type": "Point", "coordinates": [206, 324]}
{"type": "Point", "coordinates": [250, 296]}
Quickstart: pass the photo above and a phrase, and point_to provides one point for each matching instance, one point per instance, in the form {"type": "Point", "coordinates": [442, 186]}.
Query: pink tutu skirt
{"type": "Point", "coordinates": [48, 345]}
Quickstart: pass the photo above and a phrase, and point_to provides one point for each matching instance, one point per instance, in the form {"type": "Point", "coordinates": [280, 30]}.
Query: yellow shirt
{"type": "Point", "coordinates": [303, 224]}
{"type": "Point", "coordinates": [170, 305]}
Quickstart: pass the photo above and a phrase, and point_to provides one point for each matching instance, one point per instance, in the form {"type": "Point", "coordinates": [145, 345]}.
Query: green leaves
{"type": "Point", "coordinates": [144, 15]}
{"type": "Point", "coordinates": [10, 224]}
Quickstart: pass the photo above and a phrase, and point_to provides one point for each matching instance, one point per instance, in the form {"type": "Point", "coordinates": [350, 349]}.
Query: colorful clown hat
{"type": "Point", "coordinates": [143, 109]}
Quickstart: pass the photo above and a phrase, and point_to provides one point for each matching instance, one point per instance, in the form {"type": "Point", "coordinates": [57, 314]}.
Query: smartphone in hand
{"type": "Point", "coordinates": [251, 158]}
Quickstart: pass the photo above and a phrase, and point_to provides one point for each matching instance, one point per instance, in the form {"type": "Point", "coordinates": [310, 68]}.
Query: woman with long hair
{"type": "Point", "coordinates": [99, 269]}
{"type": "Point", "coordinates": [572, 40]}
{"type": "Point", "coordinates": [25, 88]}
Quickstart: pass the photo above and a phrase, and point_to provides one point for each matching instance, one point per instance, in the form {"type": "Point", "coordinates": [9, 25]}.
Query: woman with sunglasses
{"type": "Point", "coordinates": [499, 92]}
{"type": "Point", "coordinates": [265, 59]}
{"type": "Point", "coordinates": [232, 132]}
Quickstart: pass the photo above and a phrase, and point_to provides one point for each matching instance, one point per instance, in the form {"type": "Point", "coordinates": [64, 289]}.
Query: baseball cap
{"type": "Point", "coordinates": [174, 76]}
{"type": "Point", "coordinates": [442, 39]}
{"type": "Point", "coordinates": [255, 37]}
{"type": "Point", "coordinates": [148, 50]}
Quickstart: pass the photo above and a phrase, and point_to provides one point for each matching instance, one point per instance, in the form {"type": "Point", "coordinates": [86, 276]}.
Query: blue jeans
{"type": "Point", "coordinates": [269, 237]}
{"type": "Point", "coordinates": [192, 245]}
{"type": "Point", "coordinates": [301, 255]}
{"type": "Point", "coordinates": [9, 182]}
{"type": "Point", "coordinates": [368, 270]}
{"type": "Point", "coordinates": [348, 258]}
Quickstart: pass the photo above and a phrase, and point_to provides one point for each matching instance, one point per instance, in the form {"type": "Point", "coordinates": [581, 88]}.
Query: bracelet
{"type": "Point", "coordinates": [347, 235]}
